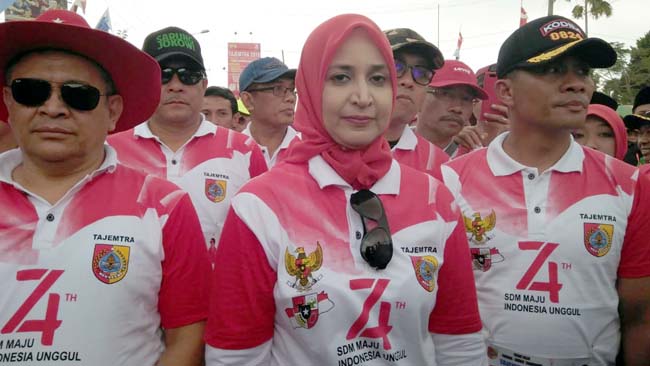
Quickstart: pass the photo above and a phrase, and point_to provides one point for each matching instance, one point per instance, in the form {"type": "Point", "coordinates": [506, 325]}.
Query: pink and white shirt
{"type": "Point", "coordinates": [91, 279]}
{"type": "Point", "coordinates": [212, 166]}
{"type": "Point", "coordinates": [282, 151]}
{"type": "Point", "coordinates": [291, 287]}
{"type": "Point", "coordinates": [547, 249]}
{"type": "Point", "coordinates": [418, 153]}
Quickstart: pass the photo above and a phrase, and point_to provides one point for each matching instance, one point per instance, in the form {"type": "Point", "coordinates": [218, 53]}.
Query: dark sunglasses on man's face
{"type": "Point", "coordinates": [35, 92]}
{"type": "Point", "coordinates": [186, 76]}
{"type": "Point", "coordinates": [376, 244]}
{"type": "Point", "coordinates": [420, 74]}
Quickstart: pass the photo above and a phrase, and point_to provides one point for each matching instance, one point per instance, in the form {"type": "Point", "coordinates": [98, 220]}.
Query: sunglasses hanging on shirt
{"type": "Point", "coordinates": [377, 244]}
{"type": "Point", "coordinates": [35, 92]}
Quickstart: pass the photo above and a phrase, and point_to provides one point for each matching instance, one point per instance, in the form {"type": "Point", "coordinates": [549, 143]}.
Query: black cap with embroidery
{"type": "Point", "coordinates": [545, 39]}
{"type": "Point", "coordinates": [636, 121]}
{"type": "Point", "coordinates": [642, 97]}
{"type": "Point", "coordinates": [173, 41]}
{"type": "Point", "coordinates": [407, 39]}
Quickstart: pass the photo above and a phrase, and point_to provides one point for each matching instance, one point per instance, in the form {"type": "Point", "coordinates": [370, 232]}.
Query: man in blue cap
{"type": "Point", "coordinates": [268, 90]}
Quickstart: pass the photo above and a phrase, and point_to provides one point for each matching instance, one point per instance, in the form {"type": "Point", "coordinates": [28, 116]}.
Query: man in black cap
{"type": "Point", "coordinates": [639, 149]}
{"type": "Point", "coordinates": [558, 232]}
{"type": "Point", "coordinates": [416, 60]}
{"type": "Point", "coordinates": [177, 143]}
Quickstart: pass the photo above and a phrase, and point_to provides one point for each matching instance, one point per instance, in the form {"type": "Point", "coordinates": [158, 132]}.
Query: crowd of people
{"type": "Point", "coordinates": [377, 205]}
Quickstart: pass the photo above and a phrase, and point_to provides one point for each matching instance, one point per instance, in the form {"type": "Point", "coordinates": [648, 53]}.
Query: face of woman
{"type": "Point", "coordinates": [357, 93]}
{"type": "Point", "coordinates": [597, 134]}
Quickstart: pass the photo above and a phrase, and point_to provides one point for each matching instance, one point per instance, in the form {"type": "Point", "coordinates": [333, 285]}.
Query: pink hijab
{"type": "Point", "coordinates": [616, 123]}
{"type": "Point", "coordinates": [360, 168]}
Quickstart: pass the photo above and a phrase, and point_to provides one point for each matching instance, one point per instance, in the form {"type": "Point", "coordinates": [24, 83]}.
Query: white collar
{"type": "Point", "coordinates": [205, 128]}
{"type": "Point", "coordinates": [9, 160]}
{"type": "Point", "coordinates": [502, 164]}
{"type": "Point", "coordinates": [408, 140]}
{"type": "Point", "coordinates": [325, 176]}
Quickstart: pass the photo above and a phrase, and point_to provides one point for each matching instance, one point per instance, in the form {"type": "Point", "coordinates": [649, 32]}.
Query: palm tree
{"type": "Point", "coordinates": [595, 8]}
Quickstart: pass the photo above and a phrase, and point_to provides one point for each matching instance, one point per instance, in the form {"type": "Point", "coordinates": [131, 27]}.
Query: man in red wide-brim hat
{"type": "Point", "coordinates": [99, 264]}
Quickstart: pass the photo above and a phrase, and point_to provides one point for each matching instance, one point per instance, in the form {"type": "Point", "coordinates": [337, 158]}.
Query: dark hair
{"type": "Point", "coordinates": [225, 93]}
{"type": "Point", "coordinates": [110, 85]}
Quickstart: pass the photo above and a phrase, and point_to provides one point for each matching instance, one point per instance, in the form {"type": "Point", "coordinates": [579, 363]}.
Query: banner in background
{"type": "Point", "coordinates": [30, 9]}
{"type": "Point", "coordinates": [239, 56]}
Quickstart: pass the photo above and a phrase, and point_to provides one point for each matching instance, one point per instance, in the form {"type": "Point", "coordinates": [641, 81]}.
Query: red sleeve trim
{"type": "Point", "coordinates": [456, 310]}
{"type": "Point", "coordinates": [242, 306]}
{"type": "Point", "coordinates": [635, 255]}
{"type": "Point", "coordinates": [183, 297]}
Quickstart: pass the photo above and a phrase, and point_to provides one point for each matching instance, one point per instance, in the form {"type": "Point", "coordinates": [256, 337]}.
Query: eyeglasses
{"type": "Point", "coordinates": [186, 76]}
{"type": "Point", "coordinates": [278, 90]}
{"type": "Point", "coordinates": [35, 92]}
{"type": "Point", "coordinates": [420, 74]}
{"type": "Point", "coordinates": [376, 244]}
{"type": "Point", "coordinates": [449, 96]}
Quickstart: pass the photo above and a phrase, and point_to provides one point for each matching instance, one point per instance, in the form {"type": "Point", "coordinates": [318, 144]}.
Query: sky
{"type": "Point", "coordinates": [282, 26]}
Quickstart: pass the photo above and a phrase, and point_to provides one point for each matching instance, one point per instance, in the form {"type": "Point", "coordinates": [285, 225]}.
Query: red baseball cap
{"type": "Point", "coordinates": [454, 72]}
{"type": "Point", "coordinates": [135, 74]}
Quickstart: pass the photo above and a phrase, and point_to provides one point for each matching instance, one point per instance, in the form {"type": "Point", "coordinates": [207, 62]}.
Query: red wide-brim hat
{"type": "Point", "coordinates": [135, 74]}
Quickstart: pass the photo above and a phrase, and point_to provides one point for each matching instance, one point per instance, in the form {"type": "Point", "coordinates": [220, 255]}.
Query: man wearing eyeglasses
{"type": "Point", "coordinates": [177, 143]}
{"type": "Point", "coordinates": [416, 61]}
{"type": "Point", "coordinates": [558, 232]}
{"type": "Point", "coordinates": [100, 264]}
{"type": "Point", "coordinates": [268, 91]}
{"type": "Point", "coordinates": [449, 104]}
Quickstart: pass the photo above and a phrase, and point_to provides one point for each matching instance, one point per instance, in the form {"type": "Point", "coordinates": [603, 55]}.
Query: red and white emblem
{"type": "Point", "coordinates": [307, 308]}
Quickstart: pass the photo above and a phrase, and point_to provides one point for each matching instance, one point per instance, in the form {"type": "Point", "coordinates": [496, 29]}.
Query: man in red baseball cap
{"type": "Point", "coordinates": [447, 108]}
{"type": "Point", "coordinates": [100, 264]}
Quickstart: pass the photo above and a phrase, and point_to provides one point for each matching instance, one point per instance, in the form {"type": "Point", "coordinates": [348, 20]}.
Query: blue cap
{"type": "Point", "coordinates": [264, 70]}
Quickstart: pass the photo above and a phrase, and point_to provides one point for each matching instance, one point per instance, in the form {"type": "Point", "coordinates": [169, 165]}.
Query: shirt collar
{"type": "Point", "coordinates": [286, 140]}
{"type": "Point", "coordinates": [9, 160]}
{"type": "Point", "coordinates": [325, 176]}
{"type": "Point", "coordinates": [408, 140]}
{"type": "Point", "coordinates": [502, 164]}
{"type": "Point", "coordinates": [205, 128]}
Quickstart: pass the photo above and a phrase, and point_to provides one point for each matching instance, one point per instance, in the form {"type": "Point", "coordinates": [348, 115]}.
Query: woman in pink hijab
{"type": "Point", "coordinates": [340, 255]}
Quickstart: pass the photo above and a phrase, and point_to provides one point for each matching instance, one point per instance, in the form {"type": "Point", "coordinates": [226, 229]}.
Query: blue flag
{"type": "Point", "coordinates": [105, 22]}
{"type": "Point", "coordinates": [4, 4]}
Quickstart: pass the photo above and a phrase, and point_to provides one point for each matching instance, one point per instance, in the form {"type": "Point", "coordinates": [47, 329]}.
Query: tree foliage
{"type": "Point", "coordinates": [630, 73]}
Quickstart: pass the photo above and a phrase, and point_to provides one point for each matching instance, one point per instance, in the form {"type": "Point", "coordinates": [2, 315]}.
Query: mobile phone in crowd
{"type": "Point", "coordinates": [486, 78]}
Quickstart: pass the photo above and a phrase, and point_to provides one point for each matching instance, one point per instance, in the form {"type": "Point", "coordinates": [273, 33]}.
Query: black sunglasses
{"type": "Point", "coordinates": [420, 74]}
{"type": "Point", "coordinates": [186, 76]}
{"type": "Point", "coordinates": [35, 92]}
{"type": "Point", "coordinates": [376, 244]}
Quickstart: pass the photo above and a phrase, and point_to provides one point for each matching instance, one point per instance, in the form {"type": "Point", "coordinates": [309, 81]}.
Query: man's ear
{"type": "Point", "coordinates": [503, 89]}
{"type": "Point", "coordinates": [115, 108]}
{"type": "Point", "coordinates": [248, 100]}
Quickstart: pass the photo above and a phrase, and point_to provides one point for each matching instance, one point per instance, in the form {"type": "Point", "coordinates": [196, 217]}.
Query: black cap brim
{"type": "Point", "coordinates": [426, 49]}
{"type": "Point", "coordinates": [635, 122]}
{"type": "Point", "coordinates": [160, 58]}
{"type": "Point", "coordinates": [595, 51]}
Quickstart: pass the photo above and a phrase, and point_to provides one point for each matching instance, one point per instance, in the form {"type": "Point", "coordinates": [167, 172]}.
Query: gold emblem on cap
{"type": "Point", "coordinates": [549, 55]}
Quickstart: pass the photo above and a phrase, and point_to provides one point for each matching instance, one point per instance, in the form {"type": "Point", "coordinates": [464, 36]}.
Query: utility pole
{"type": "Point", "coordinates": [586, 14]}
{"type": "Point", "coordinates": [550, 7]}
{"type": "Point", "coordinates": [438, 45]}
